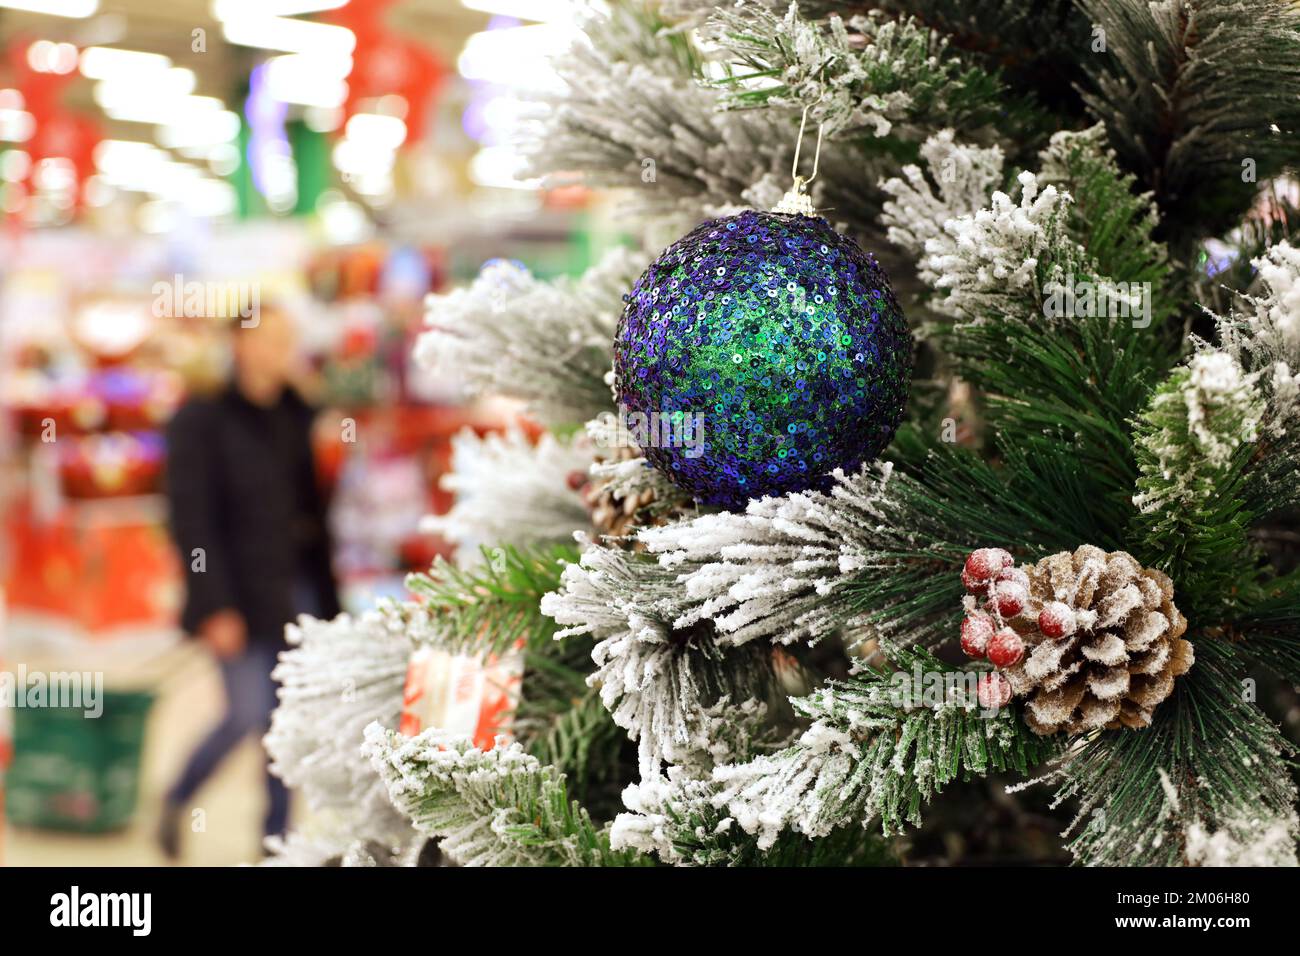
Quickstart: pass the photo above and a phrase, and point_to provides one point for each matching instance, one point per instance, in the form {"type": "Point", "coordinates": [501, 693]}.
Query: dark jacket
{"type": "Point", "coordinates": [241, 486]}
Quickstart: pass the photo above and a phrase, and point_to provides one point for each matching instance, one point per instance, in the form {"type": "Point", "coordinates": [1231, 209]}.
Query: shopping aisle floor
{"type": "Point", "coordinates": [232, 802]}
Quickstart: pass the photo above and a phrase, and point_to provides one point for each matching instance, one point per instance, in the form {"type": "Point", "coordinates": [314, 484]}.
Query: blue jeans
{"type": "Point", "coordinates": [250, 698]}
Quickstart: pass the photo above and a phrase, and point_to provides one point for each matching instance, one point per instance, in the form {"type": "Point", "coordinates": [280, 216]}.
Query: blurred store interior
{"type": "Point", "coordinates": [340, 159]}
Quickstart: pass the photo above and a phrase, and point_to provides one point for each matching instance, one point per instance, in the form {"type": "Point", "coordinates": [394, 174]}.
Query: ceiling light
{"type": "Point", "coordinates": [46, 56]}
{"type": "Point", "coordinates": [380, 132]}
{"type": "Point", "coordinates": [55, 8]}
{"type": "Point", "coordinates": [14, 165]}
{"type": "Point", "coordinates": [519, 57]}
{"type": "Point", "coordinates": [228, 9]}
{"type": "Point", "coordinates": [283, 33]}
{"type": "Point", "coordinates": [148, 91]}
{"type": "Point", "coordinates": [103, 63]}
{"type": "Point", "coordinates": [164, 111]}
{"type": "Point", "coordinates": [542, 10]}
{"type": "Point", "coordinates": [202, 128]}
{"type": "Point", "coordinates": [308, 80]}
{"type": "Point", "coordinates": [16, 126]}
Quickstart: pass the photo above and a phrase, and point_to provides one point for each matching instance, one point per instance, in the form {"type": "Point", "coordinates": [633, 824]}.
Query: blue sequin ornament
{"type": "Point", "coordinates": [759, 353]}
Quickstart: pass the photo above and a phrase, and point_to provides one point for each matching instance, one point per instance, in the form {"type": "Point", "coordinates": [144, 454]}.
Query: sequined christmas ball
{"type": "Point", "coordinates": [759, 353]}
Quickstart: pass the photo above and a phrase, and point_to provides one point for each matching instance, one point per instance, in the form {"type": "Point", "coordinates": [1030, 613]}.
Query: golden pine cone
{"type": "Point", "coordinates": [1123, 650]}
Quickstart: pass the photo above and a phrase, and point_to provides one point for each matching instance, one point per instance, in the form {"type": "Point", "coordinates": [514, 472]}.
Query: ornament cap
{"type": "Point", "coordinates": [796, 200]}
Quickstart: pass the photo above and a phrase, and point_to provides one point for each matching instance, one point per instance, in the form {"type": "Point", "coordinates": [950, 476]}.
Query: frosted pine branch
{"type": "Point", "coordinates": [338, 677]}
{"type": "Point", "coordinates": [852, 91]}
{"type": "Point", "coordinates": [980, 260]}
{"type": "Point", "coordinates": [547, 343]}
{"type": "Point", "coordinates": [799, 568]}
{"type": "Point", "coordinates": [499, 807]}
{"type": "Point", "coordinates": [510, 489]}
{"type": "Point", "coordinates": [965, 176]}
{"type": "Point", "coordinates": [873, 752]}
{"type": "Point", "coordinates": [639, 114]}
{"type": "Point", "coordinates": [876, 749]}
{"type": "Point", "coordinates": [1265, 337]}
{"type": "Point", "coordinates": [658, 681]}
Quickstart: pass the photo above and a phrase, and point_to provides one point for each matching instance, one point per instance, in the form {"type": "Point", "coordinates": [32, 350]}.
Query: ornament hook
{"type": "Point", "coordinates": [796, 199]}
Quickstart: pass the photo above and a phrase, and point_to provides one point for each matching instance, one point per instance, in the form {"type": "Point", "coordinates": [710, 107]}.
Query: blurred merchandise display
{"type": "Point", "coordinates": [70, 773]}
{"type": "Point", "coordinates": [338, 166]}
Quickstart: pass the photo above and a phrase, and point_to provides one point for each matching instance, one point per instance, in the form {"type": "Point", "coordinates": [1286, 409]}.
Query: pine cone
{"type": "Point", "coordinates": [1119, 647]}
{"type": "Point", "coordinates": [615, 516]}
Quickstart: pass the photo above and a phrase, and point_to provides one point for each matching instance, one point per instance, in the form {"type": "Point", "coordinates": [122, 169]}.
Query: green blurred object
{"type": "Point", "coordinates": [71, 772]}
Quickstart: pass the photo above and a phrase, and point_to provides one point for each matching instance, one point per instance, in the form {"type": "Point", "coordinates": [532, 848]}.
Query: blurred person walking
{"type": "Point", "coordinates": [249, 522]}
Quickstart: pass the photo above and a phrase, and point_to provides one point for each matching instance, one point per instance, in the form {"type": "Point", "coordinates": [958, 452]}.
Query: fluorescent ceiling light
{"type": "Point", "coordinates": [148, 92]}
{"type": "Point", "coordinates": [499, 166]}
{"type": "Point", "coordinates": [104, 63]}
{"type": "Point", "coordinates": [308, 80]}
{"type": "Point", "coordinates": [230, 9]}
{"type": "Point", "coordinates": [357, 158]}
{"type": "Point", "coordinates": [540, 10]}
{"type": "Point", "coordinates": [314, 65]}
{"type": "Point", "coordinates": [291, 36]}
{"type": "Point", "coordinates": [16, 126]}
{"type": "Point", "coordinates": [46, 56]}
{"type": "Point", "coordinates": [55, 8]}
{"type": "Point", "coordinates": [201, 128]}
{"type": "Point", "coordinates": [108, 149]}
{"type": "Point", "coordinates": [516, 56]}
{"type": "Point", "coordinates": [163, 112]}
{"type": "Point", "coordinates": [376, 131]}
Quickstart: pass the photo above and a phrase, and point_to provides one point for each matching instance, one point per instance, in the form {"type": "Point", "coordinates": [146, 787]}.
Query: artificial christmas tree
{"type": "Point", "coordinates": [783, 682]}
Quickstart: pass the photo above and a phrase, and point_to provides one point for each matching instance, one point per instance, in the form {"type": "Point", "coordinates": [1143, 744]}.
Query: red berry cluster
{"type": "Point", "coordinates": [990, 573]}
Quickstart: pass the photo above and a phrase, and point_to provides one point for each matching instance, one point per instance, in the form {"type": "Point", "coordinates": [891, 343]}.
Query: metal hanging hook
{"type": "Point", "coordinates": [796, 200]}
{"type": "Point", "coordinates": [798, 147]}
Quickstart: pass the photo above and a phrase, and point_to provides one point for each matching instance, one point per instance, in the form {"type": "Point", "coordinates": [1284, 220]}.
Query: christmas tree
{"type": "Point", "coordinates": [1040, 537]}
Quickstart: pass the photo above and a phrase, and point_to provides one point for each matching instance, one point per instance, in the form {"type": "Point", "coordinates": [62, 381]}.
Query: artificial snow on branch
{"type": "Point", "coordinates": [1194, 425]}
{"type": "Point", "coordinates": [868, 78]}
{"type": "Point", "coordinates": [1266, 339]}
{"type": "Point", "coordinates": [965, 176]}
{"type": "Point", "coordinates": [981, 260]}
{"type": "Point", "coordinates": [658, 680]}
{"type": "Point", "coordinates": [511, 489]}
{"type": "Point", "coordinates": [878, 747]}
{"type": "Point", "coordinates": [636, 116]}
{"type": "Point", "coordinates": [499, 807]}
{"type": "Point", "coordinates": [866, 559]}
{"type": "Point", "coordinates": [337, 678]}
{"type": "Point", "coordinates": [547, 343]}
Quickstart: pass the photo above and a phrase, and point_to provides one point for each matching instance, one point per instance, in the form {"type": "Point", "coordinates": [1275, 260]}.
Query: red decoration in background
{"type": "Point", "coordinates": [385, 63]}
{"type": "Point", "coordinates": [94, 577]}
{"type": "Point", "coordinates": [69, 136]}
{"type": "Point", "coordinates": [41, 91]}
{"type": "Point", "coordinates": [59, 133]}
